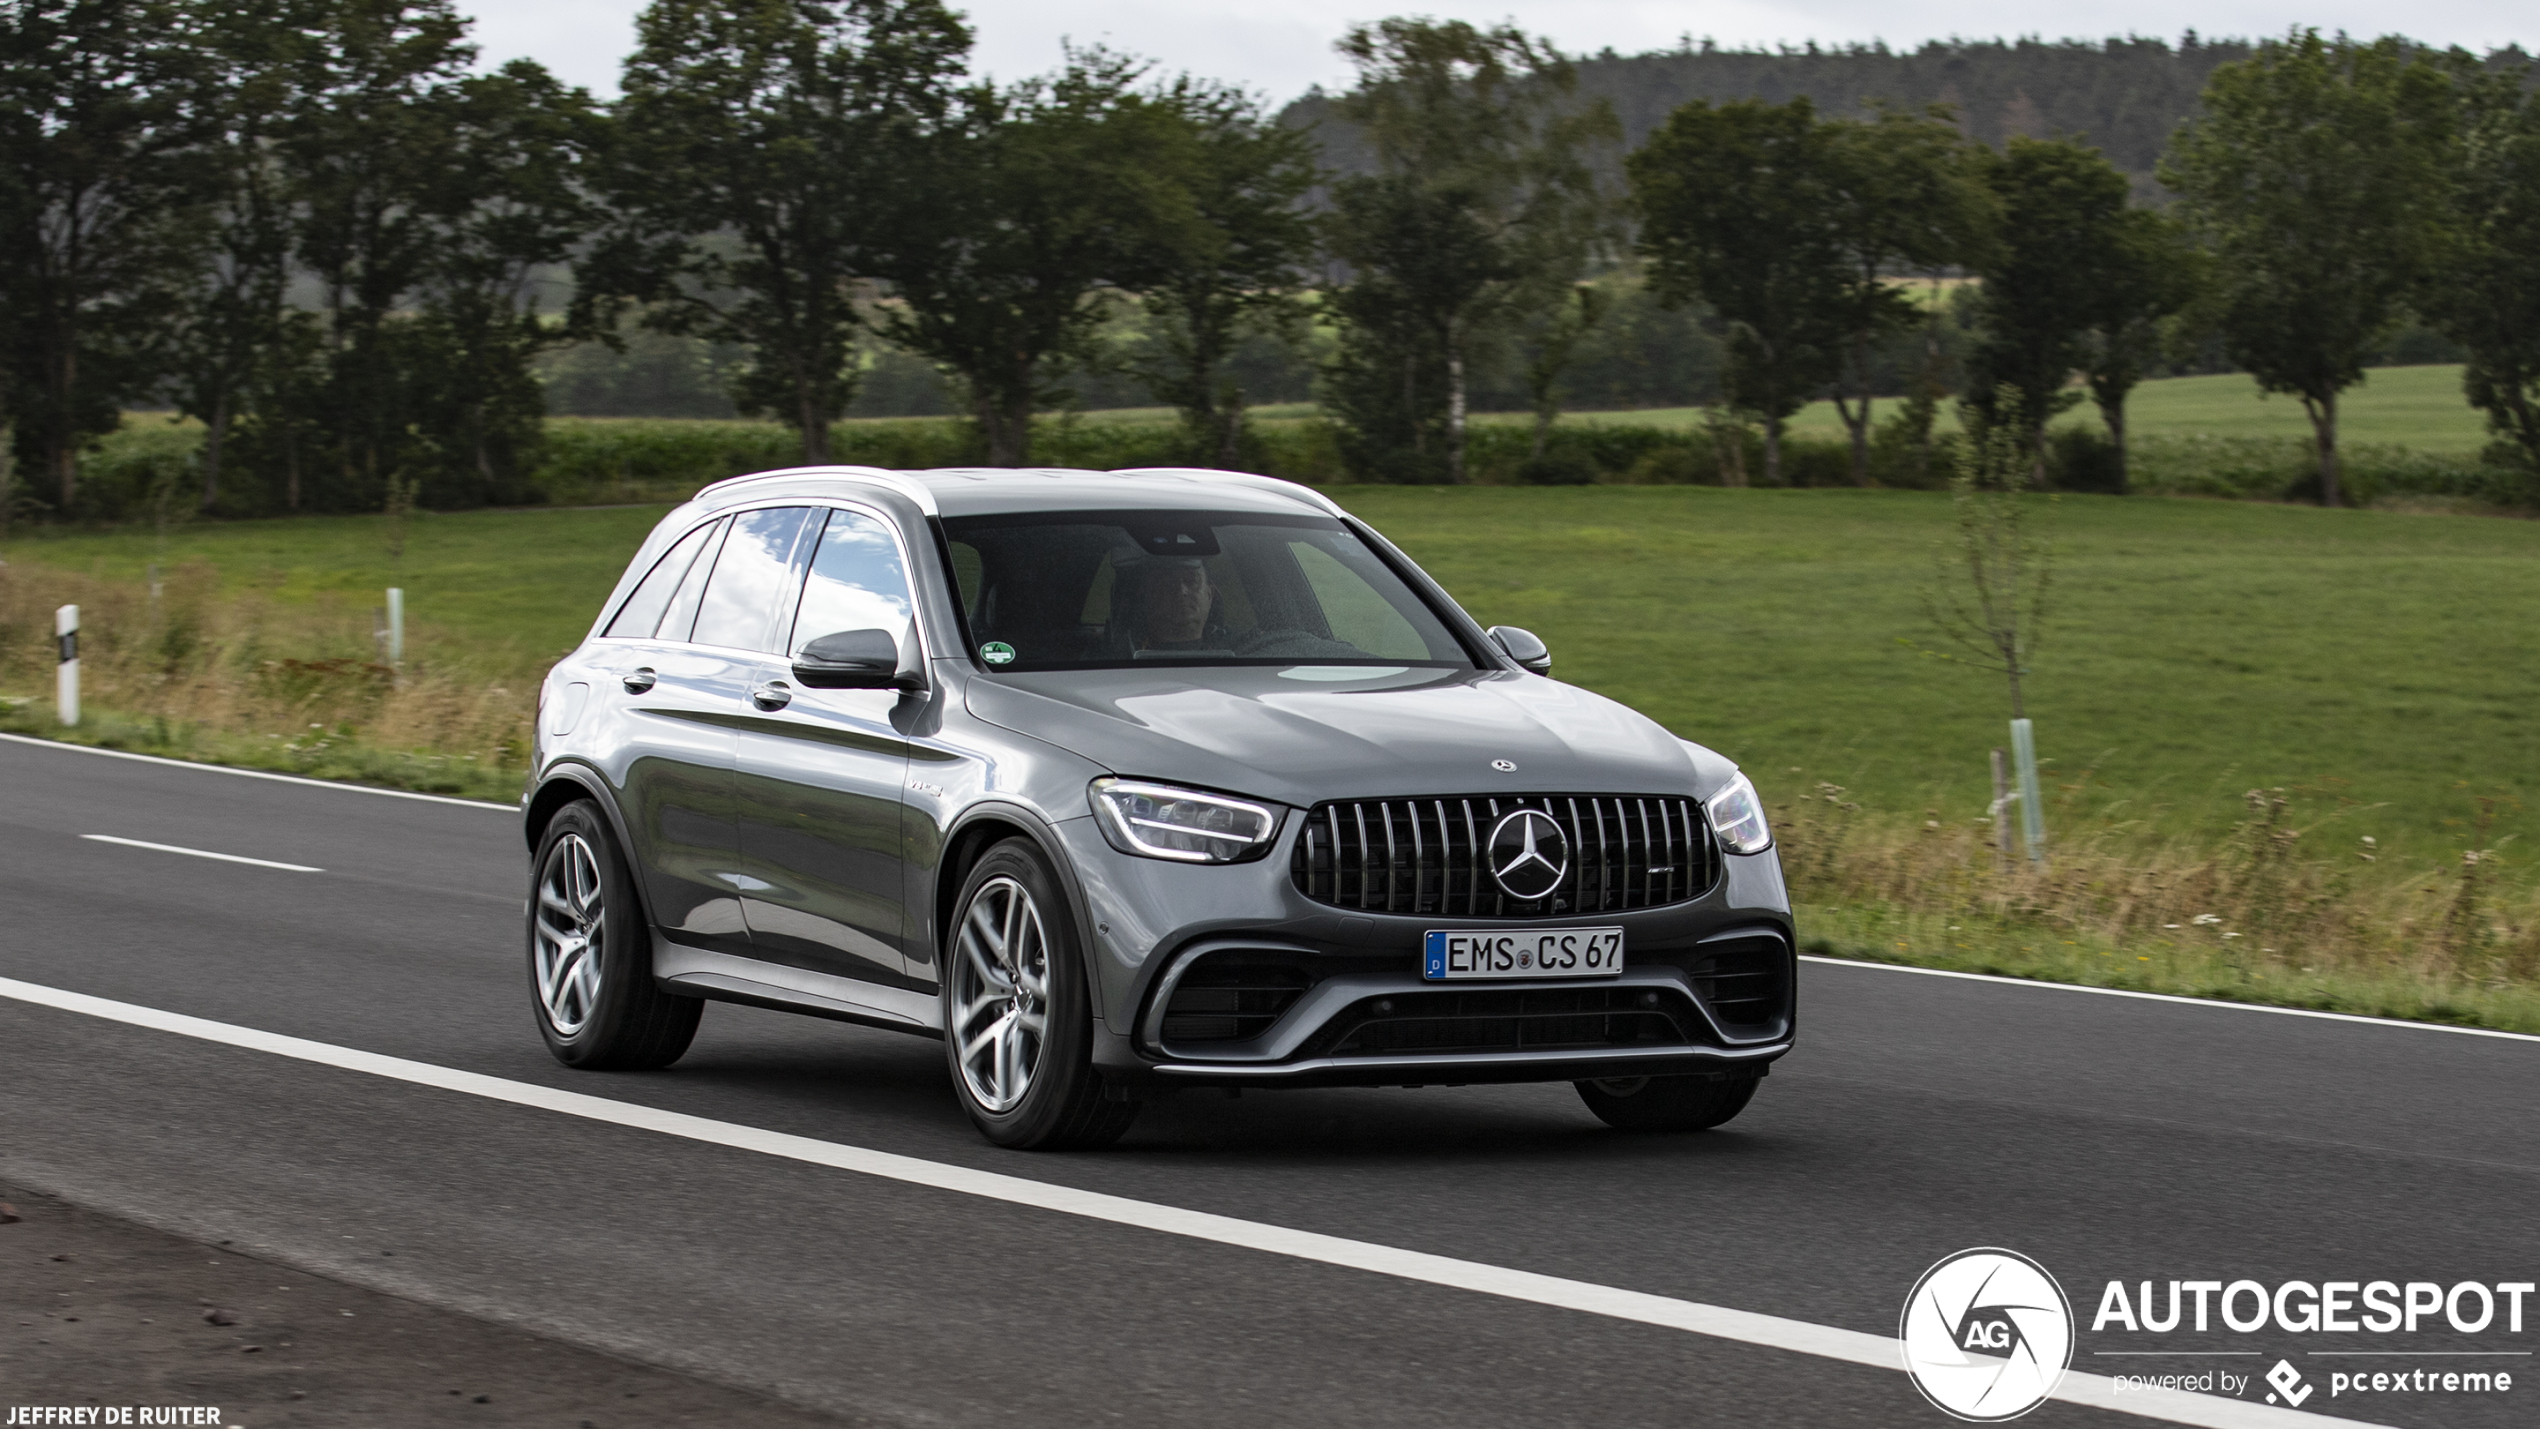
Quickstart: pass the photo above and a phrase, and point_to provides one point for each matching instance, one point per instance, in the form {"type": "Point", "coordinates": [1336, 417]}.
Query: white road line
{"type": "Point", "coordinates": [259, 774]}
{"type": "Point", "coordinates": [2391, 1022]}
{"type": "Point", "coordinates": [1719, 1322]}
{"type": "Point", "coordinates": [202, 853]}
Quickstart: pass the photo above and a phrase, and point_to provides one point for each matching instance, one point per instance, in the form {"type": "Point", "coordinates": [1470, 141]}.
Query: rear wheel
{"type": "Point", "coordinates": [1666, 1103]}
{"type": "Point", "coordinates": [1018, 1019]}
{"type": "Point", "coordinates": [591, 957]}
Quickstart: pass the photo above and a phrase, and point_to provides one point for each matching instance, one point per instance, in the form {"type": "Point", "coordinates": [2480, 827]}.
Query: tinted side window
{"type": "Point", "coordinates": [683, 607]}
{"type": "Point", "coordinates": [641, 615]}
{"type": "Point", "coordinates": [749, 579]}
{"type": "Point", "coordinates": [857, 581]}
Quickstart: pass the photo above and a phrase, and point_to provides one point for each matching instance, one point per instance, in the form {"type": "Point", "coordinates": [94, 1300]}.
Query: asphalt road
{"type": "Point", "coordinates": [2110, 1138]}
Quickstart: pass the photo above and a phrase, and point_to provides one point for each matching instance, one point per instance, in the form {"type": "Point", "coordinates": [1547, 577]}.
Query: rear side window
{"type": "Point", "coordinates": [692, 588]}
{"type": "Point", "coordinates": [641, 615]}
{"type": "Point", "coordinates": [741, 600]}
{"type": "Point", "coordinates": [857, 581]}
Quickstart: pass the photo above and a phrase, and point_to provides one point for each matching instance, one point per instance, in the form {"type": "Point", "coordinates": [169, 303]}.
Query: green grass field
{"type": "Point", "coordinates": [2419, 407]}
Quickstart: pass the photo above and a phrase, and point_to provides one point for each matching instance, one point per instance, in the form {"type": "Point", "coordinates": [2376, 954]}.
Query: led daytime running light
{"type": "Point", "coordinates": [1182, 825]}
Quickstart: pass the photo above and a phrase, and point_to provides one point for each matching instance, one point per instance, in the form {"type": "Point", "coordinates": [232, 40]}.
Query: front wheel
{"type": "Point", "coordinates": [1666, 1103]}
{"type": "Point", "coordinates": [1018, 1016]}
{"type": "Point", "coordinates": [591, 956]}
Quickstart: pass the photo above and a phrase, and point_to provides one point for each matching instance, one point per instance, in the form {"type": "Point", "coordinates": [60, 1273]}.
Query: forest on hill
{"type": "Point", "coordinates": [2124, 96]}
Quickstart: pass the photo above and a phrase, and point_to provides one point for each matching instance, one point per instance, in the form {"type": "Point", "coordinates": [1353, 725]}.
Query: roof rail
{"type": "Point", "coordinates": [914, 490]}
{"type": "Point", "coordinates": [1279, 485]}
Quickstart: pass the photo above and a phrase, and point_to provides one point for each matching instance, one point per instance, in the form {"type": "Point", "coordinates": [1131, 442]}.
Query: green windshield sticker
{"type": "Point", "coordinates": [997, 652]}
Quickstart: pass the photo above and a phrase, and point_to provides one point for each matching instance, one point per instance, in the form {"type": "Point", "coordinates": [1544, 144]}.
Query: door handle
{"type": "Point", "coordinates": [774, 695]}
{"type": "Point", "coordinates": [638, 681]}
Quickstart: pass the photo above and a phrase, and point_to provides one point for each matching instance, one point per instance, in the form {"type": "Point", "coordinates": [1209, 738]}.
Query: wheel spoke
{"type": "Point", "coordinates": [989, 973]}
{"type": "Point", "coordinates": [995, 1033]}
{"type": "Point", "coordinates": [1010, 947]}
{"type": "Point", "coordinates": [584, 874]}
{"type": "Point", "coordinates": [586, 980]}
{"type": "Point", "coordinates": [561, 974]}
{"type": "Point", "coordinates": [1009, 1069]}
{"type": "Point", "coordinates": [984, 924]}
{"type": "Point", "coordinates": [1034, 1022]}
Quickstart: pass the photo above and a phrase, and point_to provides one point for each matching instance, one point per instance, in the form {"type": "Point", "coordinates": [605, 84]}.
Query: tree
{"type": "Point", "coordinates": [509, 202]}
{"type": "Point", "coordinates": [1238, 265]}
{"type": "Point", "coordinates": [1420, 256]}
{"type": "Point", "coordinates": [1485, 208]}
{"type": "Point", "coordinates": [2146, 273]}
{"type": "Point", "coordinates": [1737, 204]}
{"type": "Point", "coordinates": [761, 159]}
{"type": "Point", "coordinates": [1996, 570]}
{"type": "Point", "coordinates": [2061, 210]}
{"type": "Point", "coordinates": [370, 148]}
{"type": "Point", "coordinates": [2484, 289]}
{"type": "Point", "coordinates": [233, 312]}
{"type": "Point", "coordinates": [1042, 199]}
{"type": "Point", "coordinates": [2315, 175]}
{"type": "Point", "coordinates": [1549, 342]}
{"type": "Point", "coordinates": [100, 162]}
{"type": "Point", "coordinates": [1906, 198]}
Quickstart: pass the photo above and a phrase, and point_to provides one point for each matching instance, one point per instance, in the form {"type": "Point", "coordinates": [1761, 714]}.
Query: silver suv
{"type": "Point", "coordinates": [1122, 783]}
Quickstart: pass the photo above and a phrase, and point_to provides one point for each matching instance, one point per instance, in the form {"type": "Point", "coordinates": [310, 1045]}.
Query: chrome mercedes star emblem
{"type": "Point", "coordinates": [1528, 855]}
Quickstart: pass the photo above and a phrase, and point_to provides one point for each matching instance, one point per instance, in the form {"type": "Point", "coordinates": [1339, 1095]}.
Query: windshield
{"type": "Point", "coordinates": [1085, 589]}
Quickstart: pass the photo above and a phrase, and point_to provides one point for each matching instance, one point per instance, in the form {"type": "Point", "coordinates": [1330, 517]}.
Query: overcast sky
{"type": "Point", "coordinates": [1284, 46]}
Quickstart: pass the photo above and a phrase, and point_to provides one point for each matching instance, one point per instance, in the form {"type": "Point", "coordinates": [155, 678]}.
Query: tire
{"type": "Point", "coordinates": [1018, 1013]}
{"type": "Point", "coordinates": [1666, 1103]}
{"type": "Point", "coordinates": [591, 984]}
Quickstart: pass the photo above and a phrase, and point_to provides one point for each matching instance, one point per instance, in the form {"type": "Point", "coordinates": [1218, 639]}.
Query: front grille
{"type": "Point", "coordinates": [1508, 1020]}
{"type": "Point", "coordinates": [1745, 983]}
{"type": "Point", "coordinates": [1420, 855]}
{"type": "Point", "coordinates": [1232, 997]}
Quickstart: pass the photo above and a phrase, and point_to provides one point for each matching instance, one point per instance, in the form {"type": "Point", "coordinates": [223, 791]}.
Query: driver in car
{"type": "Point", "coordinates": [1176, 596]}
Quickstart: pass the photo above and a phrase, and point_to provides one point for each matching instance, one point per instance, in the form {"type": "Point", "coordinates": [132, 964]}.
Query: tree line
{"type": "Point", "coordinates": [316, 229]}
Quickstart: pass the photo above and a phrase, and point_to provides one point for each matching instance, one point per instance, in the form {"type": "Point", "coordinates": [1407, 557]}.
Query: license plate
{"type": "Point", "coordinates": [1535, 953]}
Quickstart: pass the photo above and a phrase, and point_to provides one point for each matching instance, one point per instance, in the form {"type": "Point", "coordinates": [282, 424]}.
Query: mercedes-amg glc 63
{"type": "Point", "coordinates": [1126, 782]}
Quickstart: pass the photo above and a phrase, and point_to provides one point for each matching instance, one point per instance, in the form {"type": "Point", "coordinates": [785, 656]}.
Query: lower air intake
{"type": "Point", "coordinates": [1510, 1020]}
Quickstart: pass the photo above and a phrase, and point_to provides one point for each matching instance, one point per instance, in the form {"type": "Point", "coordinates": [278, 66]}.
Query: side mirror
{"type": "Point", "coordinates": [1522, 647]}
{"type": "Point", "coordinates": [851, 660]}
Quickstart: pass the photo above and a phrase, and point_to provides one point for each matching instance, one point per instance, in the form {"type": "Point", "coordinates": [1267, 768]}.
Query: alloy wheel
{"type": "Point", "coordinates": [1000, 993]}
{"type": "Point", "coordinates": [571, 919]}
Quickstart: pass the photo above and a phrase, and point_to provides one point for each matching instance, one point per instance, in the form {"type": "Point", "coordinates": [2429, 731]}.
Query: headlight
{"type": "Point", "coordinates": [1737, 816]}
{"type": "Point", "coordinates": [1185, 825]}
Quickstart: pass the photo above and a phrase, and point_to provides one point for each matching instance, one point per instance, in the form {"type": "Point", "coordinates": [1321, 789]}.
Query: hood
{"type": "Point", "coordinates": [1303, 734]}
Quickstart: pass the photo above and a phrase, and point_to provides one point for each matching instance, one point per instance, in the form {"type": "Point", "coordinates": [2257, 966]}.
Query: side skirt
{"type": "Point", "coordinates": [694, 972]}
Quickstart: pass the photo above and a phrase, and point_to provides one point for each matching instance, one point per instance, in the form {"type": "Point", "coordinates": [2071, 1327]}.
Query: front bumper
{"type": "Point", "coordinates": [1228, 975]}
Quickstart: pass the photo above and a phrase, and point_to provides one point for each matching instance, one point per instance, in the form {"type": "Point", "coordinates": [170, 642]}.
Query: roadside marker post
{"type": "Point", "coordinates": [2032, 809]}
{"type": "Point", "coordinates": [2002, 797]}
{"type": "Point", "coordinates": [66, 676]}
{"type": "Point", "coordinates": [396, 626]}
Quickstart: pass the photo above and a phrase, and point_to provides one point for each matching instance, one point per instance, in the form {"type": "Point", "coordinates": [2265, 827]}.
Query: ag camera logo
{"type": "Point", "coordinates": [1987, 1335]}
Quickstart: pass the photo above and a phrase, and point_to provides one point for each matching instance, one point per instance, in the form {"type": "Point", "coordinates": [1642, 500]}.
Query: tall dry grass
{"type": "Point", "coordinates": [2290, 906]}
{"type": "Point", "coordinates": [208, 667]}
